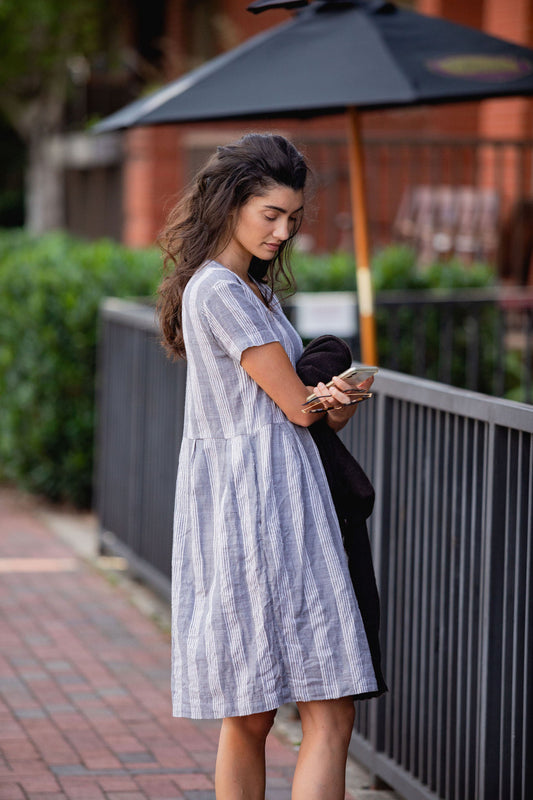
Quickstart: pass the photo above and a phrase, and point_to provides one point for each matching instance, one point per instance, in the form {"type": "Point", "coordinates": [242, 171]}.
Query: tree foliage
{"type": "Point", "coordinates": [39, 40]}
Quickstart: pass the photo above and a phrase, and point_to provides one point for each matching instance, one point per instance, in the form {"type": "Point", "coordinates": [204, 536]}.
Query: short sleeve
{"type": "Point", "coordinates": [235, 318]}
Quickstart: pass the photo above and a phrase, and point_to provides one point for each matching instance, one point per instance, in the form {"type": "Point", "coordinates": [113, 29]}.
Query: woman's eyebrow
{"type": "Point", "coordinates": [282, 210]}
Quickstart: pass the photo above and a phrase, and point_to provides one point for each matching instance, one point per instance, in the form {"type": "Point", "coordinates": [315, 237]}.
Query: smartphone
{"type": "Point", "coordinates": [353, 375]}
{"type": "Point", "coordinates": [356, 375]}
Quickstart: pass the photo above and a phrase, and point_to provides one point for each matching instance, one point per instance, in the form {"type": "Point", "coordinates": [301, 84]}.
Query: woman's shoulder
{"type": "Point", "coordinates": [209, 275]}
{"type": "Point", "coordinates": [208, 285]}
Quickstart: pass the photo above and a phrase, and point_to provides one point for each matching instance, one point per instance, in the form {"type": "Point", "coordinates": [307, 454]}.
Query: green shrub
{"type": "Point", "coordinates": [333, 272]}
{"type": "Point", "coordinates": [393, 267]}
{"type": "Point", "coordinates": [50, 290]}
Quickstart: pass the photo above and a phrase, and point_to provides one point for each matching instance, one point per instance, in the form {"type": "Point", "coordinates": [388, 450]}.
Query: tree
{"type": "Point", "coordinates": [41, 41]}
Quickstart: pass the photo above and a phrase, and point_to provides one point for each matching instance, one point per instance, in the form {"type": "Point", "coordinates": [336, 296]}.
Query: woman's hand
{"type": "Point", "coordinates": [337, 402]}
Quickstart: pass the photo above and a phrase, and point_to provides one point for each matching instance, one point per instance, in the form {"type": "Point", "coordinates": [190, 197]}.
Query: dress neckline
{"type": "Point", "coordinates": [261, 299]}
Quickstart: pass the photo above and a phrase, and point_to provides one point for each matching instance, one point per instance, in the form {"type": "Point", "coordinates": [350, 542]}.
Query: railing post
{"type": "Point", "coordinates": [492, 591]}
{"type": "Point", "coordinates": [380, 542]}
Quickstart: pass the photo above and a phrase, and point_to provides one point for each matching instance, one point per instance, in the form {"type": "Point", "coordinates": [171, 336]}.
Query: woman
{"type": "Point", "coordinates": [263, 609]}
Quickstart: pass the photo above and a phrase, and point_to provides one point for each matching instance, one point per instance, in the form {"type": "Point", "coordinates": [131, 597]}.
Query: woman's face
{"type": "Point", "coordinates": [265, 221]}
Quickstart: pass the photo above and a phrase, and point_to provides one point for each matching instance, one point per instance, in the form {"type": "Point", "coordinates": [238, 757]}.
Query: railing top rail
{"type": "Point", "coordinates": [130, 312]}
{"type": "Point", "coordinates": [517, 297]}
{"type": "Point", "coordinates": [461, 402]}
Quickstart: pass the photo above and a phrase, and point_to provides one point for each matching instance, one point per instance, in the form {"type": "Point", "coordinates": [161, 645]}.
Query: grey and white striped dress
{"type": "Point", "coordinates": [263, 607]}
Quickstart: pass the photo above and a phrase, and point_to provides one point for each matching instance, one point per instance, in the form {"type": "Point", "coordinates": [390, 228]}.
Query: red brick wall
{"type": "Point", "coordinates": [156, 167]}
{"type": "Point", "coordinates": [508, 19]}
{"type": "Point", "coordinates": [512, 20]}
{"type": "Point", "coordinates": [151, 178]}
{"type": "Point", "coordinates": [465, 13]}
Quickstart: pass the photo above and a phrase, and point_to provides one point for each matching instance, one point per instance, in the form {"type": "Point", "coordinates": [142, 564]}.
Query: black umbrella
{"type": "Point", "coordinates": [334, 56]}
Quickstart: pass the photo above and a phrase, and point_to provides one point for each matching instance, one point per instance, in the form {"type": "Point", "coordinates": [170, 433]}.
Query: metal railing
{"type": "Point", "coordinates": [452, 537]}
{"type": "Point", "coordinates": [140, 399]}
{"type": "Point", "coordinates": [452, 543]}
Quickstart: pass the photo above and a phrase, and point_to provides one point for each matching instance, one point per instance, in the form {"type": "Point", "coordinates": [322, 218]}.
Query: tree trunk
{"type": "Point", "coordinates": [45, 208]}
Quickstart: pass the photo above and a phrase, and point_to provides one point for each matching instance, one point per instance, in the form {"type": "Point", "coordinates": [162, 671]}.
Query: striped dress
{"type": "Point", "coordinates": [264, 612]}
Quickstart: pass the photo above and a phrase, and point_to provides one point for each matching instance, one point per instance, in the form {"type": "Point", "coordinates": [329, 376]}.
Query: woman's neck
{"type": "Point", "coordinates": [235, 261]}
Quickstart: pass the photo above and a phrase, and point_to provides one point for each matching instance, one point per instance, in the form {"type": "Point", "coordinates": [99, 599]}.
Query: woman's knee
{"type": "Point", "coordinates": [332, 718]}
{"type": "Point", "coordinates": [256, 726]}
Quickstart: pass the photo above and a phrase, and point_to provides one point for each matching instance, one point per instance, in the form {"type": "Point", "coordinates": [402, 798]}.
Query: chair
{"type": "Point", "coordinates": [444, 221]}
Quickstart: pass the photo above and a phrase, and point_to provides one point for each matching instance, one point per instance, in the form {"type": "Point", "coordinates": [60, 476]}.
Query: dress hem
{"type": "Point", "coordinates": [271, 706]}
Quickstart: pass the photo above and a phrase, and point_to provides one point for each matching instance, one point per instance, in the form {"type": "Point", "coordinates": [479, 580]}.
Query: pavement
{"type": "Point", "coordinates": [85, 677]}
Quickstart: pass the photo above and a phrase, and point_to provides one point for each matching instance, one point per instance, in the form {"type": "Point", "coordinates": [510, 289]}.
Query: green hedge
{"type": "Point", "coordinates": [50, 289]}
{"type": "Point", "coordinates": [394, 267]}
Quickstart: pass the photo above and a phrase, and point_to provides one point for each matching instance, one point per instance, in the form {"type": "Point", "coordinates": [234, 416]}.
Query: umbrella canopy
{"type": "Point", "coordinates": [334, 56]}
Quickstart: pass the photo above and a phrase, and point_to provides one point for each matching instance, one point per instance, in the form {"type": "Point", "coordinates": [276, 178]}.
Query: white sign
{"type": "Point", "coordinates": [318, 313]}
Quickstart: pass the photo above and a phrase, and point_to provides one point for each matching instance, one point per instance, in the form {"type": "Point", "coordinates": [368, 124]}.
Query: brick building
{"type": "Point", "coordinates": [158, 161]}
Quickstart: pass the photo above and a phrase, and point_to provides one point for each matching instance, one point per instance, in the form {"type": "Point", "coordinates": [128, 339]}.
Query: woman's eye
{"type": "Point", "coordinates": [270, 219]}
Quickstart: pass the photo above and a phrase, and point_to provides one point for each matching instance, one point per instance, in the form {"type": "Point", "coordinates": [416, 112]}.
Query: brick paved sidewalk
{"type": "Point", "coordinates": [84, 684]}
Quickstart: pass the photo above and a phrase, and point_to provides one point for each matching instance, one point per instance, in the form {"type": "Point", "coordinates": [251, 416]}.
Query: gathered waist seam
{"type": "Point", "coordinates": [239, 435]}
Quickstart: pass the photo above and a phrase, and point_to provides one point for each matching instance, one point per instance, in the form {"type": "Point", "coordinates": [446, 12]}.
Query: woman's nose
{"type": "Point", "coordinates": [281, 230]}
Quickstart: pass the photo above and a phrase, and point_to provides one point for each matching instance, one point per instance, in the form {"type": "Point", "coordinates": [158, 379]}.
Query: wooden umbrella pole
{"type": "Point", "coordinates": [365, 299]}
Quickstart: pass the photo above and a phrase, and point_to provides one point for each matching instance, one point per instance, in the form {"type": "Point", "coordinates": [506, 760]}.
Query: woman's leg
{"type": "Point", "coordinates": [240, 769]}
{"type": "Point", "coordinates": [321, 768]}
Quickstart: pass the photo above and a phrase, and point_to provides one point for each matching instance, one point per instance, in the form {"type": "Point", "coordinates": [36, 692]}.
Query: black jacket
{"type": "Point", "coordinates": [352, 493]}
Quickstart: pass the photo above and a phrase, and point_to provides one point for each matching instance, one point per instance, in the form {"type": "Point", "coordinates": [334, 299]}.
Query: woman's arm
{"type": "Point", "coordinates": [270, 367]}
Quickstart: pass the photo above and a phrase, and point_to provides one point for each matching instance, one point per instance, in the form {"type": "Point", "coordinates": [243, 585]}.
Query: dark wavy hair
{"type": "Point", "coordinates": [202, 223]}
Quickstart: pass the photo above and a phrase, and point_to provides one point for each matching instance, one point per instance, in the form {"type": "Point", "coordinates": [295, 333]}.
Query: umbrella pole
{"type": "Point", "coordinates": [365, 299]}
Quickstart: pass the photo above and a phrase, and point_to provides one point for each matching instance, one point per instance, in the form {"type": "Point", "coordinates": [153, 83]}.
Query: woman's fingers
{"type": "Point", "coordinates": [340, 393]}
{"type": "Point", "coordinates": [332, 397]}
{"type": "Point", "coordinates": [326, 396]}
{"type": "Point", "coordinates": [364, 386]}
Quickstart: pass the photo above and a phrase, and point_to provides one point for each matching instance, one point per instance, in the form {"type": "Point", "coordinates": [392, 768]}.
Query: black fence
{"type": "Point", "coordinates": [452, 541]}
{"type": "Point", "coordinates": [479, 339]}
{"type": "Point", "coordinates": [452, 536]}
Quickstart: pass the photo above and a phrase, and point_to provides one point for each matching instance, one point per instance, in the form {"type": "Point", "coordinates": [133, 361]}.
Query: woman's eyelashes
{"type": "Point", "coordinates": [292, 220]}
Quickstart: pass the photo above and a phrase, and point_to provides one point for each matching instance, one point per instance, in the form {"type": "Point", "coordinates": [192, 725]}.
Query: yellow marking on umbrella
{"type": "Point", "coordinates": [482, 67]}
